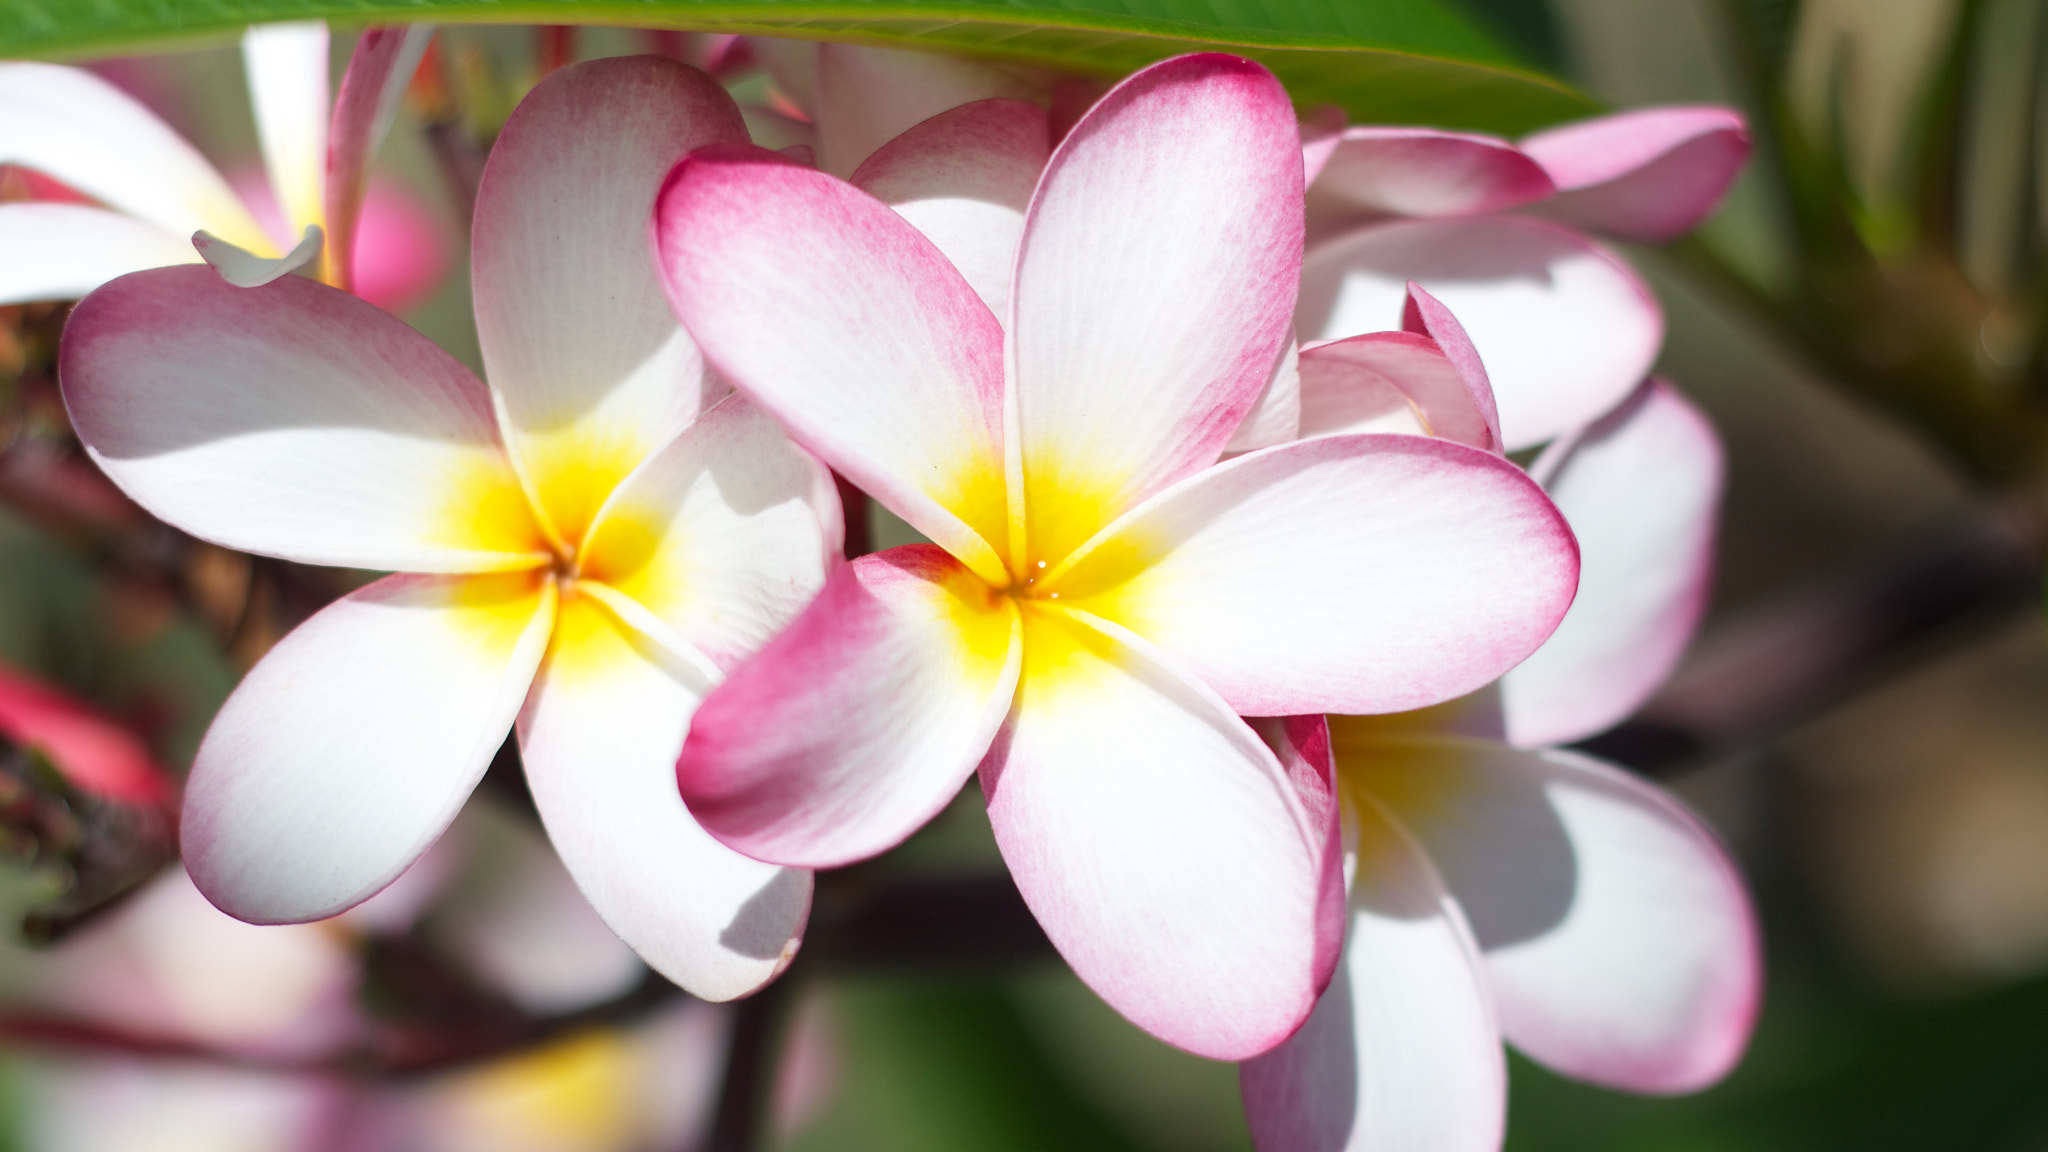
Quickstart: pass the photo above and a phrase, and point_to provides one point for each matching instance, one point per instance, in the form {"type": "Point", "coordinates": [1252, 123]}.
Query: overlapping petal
{"type": "Point", "coordinates": [380, 68]}
{"type": "Point", "coordinates": [1158, 840]}
{"type": "Point", "coordinates": [964, 179]}
{"type": "Point", "coordinates": [865, 96]}
{"type": "Point", "coordinates": [1565, 328]}
{"type": "Point", "coordinates": [1648, 175]}
{"type": "Point", "coordinates": [287, 69]}
{"type": "Point", "coordinates": [1275, 417]}
{"type": "Point", "coordinates": [352, 744]}
{"type": "Point", "coordinates": [1154, 280]}
{"type": "Point", "coordinates": [862, 719]}
{"type": "Point", "coordinates": [1351, 574]}
{"type": "Point", "coordinates": [63, 251]}
{"type": "Point", "coordinates": [1402, 1053]}
{"type": "Point", "coordinates": [599, 738]}
{"type": "Point", "coordinates": [897, 386]}
{"type": "Point", "coordinates": [1641, 490]}
{"type": "Point", "coordinates": [291, 420]}
{"type": "Point", "coordinates": [591, 368]}
{"type": "Point", "coordinates": [1619, 944]}
{"type": "Point", "coordinates": [1425, 172]}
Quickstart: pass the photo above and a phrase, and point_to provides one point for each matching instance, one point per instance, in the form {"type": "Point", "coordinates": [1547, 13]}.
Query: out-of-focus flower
{"type": "Point", "coordinates": [1503, 889]}
{"type": "Point", "coordinates": [157, 201]}
{"type": "Point", "coordinates": [587, 545]}
{"type": "Point", "coordinates": [91, 751]}
{"type": "Point", "coordinates": [1104, 599]}
{"type": "Point", "coordinates": [1566, 328]}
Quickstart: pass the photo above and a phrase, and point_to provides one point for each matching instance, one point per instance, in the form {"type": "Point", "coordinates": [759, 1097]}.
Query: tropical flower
{"type": "Point", "coordinates": [588, 544]}
{"type": "Point", "coordinates": [1104, 599]}
{"type": "Point", "coordinates": [158, 199]}
{"type": "Point", "coordinates": [1500, 888]}
{"type": "Point", "coordinates": [1492, 229]}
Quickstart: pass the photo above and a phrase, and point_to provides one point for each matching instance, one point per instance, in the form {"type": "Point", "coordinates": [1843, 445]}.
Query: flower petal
{"type": "Point", "coordinates": [74, 126]}
{"type": "Point", "coordinates": [599, 737]}
{"type": "Point", "coordinates": [1350, 574]}
{"type": "Point", "coordinates": [379, 70]}
{"type": "Point", "coordinates": [964, 178]}
{"type": "Point", "coordinates": [1426, 314]}
{"type": "Point", "coordinates": [92, 752]}
{"type": "Point", "coordinates": [1158, 266]}
{"type": "Point", "coordinates": [1424, 172]}
{"type": "Point", "coordinates": [63, 251]}
{"type": "Point", "coordinates": [1642, 491]}
{"type": "Point", "coordinates": [349, 747]}
{"type": "Point", "coordinates": [287, 69]}
{"type": "Point", "coordinates": [862, 719]}
{"type": "Point", "coordinates": [724, 535]}
{"type": "Point", "coordinates": [1165, 850]}
{"type": "Point", "coordinates": [1408, 381]}
{"type": "Point", "coordinates": [1649, 175]}
{"type": "Point", "coordinates": [1276, 417]}
{"type": "Point", "coordinates": [1620, 945]}
{"type": "Point", "coordinates": [245, 269]}
{"type": "Point", "coordinates": [1321, 132]}
{"type": "Point", "coordinates": [589, 363]}
{"type": "Point", "coordinates": [867, 96]}
{"type": "Point", "coordinates": [1402, 1053]}
{"type": "Point", "coordinates": [291, 420]}
{"type": "Point", "coordinates": [843, 322]}
{"type": "Point", "coordinates": [1565, 327]}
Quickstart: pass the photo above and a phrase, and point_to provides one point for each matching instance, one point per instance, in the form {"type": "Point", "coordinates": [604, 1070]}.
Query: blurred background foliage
{"type": "Point", "coordinates": [1867, 322]}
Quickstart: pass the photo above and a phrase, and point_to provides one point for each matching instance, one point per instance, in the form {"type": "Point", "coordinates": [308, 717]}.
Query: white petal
{"type": "Point", "coordinates": [63, 251]}
{"type": "Point", "coordinates": [287, 69]}
{"type": "Point", "coordinates": [245, 269]}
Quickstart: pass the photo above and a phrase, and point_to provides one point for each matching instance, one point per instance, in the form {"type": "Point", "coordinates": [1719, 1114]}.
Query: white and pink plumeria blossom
{"type": "Point", "coordinates": [587, 544]}
{"type": "Point", "coordinates": [1104, 599]}
{"type": "Point", "coordinates": [1502, 889]}
{"type": "Point", "coordinates": [159, 202]}
{"type": "Point", "coordinates": [1497, 232]}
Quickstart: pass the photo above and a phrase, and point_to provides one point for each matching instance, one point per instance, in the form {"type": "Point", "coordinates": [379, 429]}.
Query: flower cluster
{"type": "Point", "coordinates": [1230, 595]}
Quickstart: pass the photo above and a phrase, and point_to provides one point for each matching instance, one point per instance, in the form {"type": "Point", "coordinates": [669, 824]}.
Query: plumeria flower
{"type": "Point", "coordinates": [1503, 887]}
{"type": "Point", "coordinates": [587, 545]}
{"type": "Point", "coordinates": [1104, 599]}
{"type": "Point", "coordinates": [159, 202]}
{"type": "Point", "coordinates": [1494, 230]}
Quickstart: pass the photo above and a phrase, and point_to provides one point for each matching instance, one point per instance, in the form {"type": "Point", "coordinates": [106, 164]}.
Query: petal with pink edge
{"type": "Point", "coordinates": [1154, 284]}
{"type": "Point", "coordinates": [1321, 132]}
{"type": "Point", "coordinates": [1648, 175]}
{"type": "Point", "coordinates": [1620, 945]}
{"type": "Point", "coordinates": [349, 747]}
{"type": "Point", "coordinates": [1565, 328]}
{"type": "Point", "coordinates": [1641, 490]}
{"type": "Point", "coordinates": [63, 251]}
{"type": "Point", "coordinates": [867, 96]}
{"type": "Point", "coordinates": [1352, 574]}
{"type": "Point", "coordinates": [860, 720]}
{"type": "Point", "coordinates": [93, 753]}
{"type": "Point", "coordinates": [840, 319]}
{"type": "Point", "coordinates": [1276, 417]}
{"type": "Point", "coordinates": [964, 178]}
{"type": "Point", "coordinates": [599, 737]}
{"type": "Point", "coordinates": [1399, 382]}
{"type": "Point", "coordinates": [1402, 1053]}
{"type": "Point", "coordinates": [70, 124]}
{"type": "Point", "coordinates": [1427, 315]}
{"type": "Point", "coordinates": [379, 70]}
{"type": "Point", "coordinates": [578, 343]}
{"type": "Point", "coordinates": [291, 420]}
{"type": "Point", "coordinates": [1424, 172]}
{"type": "Point", "coordinates": [1166, 851]}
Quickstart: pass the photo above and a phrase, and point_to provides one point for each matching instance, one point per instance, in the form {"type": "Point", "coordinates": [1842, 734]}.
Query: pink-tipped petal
{"type": "Point", "coordinates": [1163, 847]}
{"type": "Point", "coordinates": [93, 753]}
{"type": "Point", "coordinates": [70, 124]}
{"type": "Point", "coordinates": [349, 747]}
{"type": "Point", "coordinates": [964, 178]}
{"type": "Point", "coordinates": [380, 68]}
{"type": "Point", "coordinates": [1389, 382]}
{"type": "Point", "coordinates": [1565, 328]}
{"type": "Point", "coordinates": [290, 420]}
{"type": "Point", "coordinates": [578, 343]}
{"type": "Point", "coordinates": [1649, 176]}
{"type": "Point", "coordinates": [1307, 756]}
{"type": "Point", "coordinates": [1641, 490]}
{"type": "Point", "coordinates": [1321, 132]}
{"type": "Point", "coordinates": [1352, 574]}
{"type": "Point", "coordinates": [1154, 284]}
{"type": "Point", "coordinates": [1276, 417]}
{"type": "Point", "coordinates": [860, 720]}
{"type": "Point", "coordinates": [1424, 172]}
{"type": "Point", "coordinates": [843, 322]}
{"type": "Point", "coordinates": [63, 251]}
{"type": "Point", "coordinates": [1620, 945]}
{"type": "Point", "coordinates": [1425, 314]}
{"type": "Point", "coordinates": [1402, 1053]}
{"type": "Point", "coordinates": [866, 97]}
{"type": "Point", "coordinates": [599, 737]}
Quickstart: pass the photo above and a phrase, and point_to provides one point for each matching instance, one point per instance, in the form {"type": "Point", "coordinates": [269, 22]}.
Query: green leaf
{"type": "Point", "coordinates": [1389, 61]}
